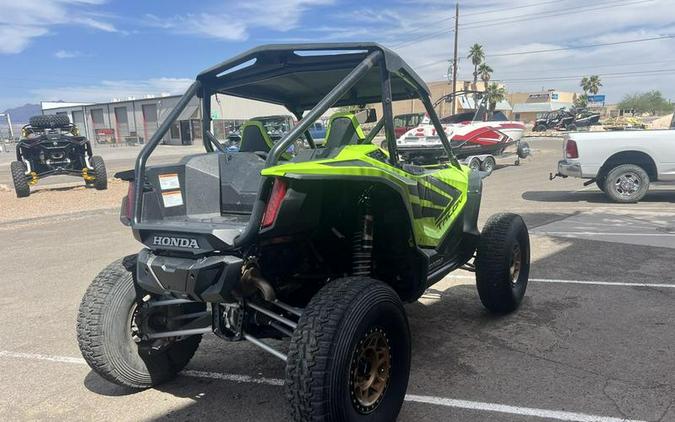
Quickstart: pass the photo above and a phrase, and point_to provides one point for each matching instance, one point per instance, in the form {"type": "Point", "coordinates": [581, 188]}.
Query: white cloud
{"type": "Point", "coordinates": [65, 54]}
{"type": "Point", "coordinates": [22, 21]}
{"type": "Point", "coordinates": [237, 22]}
{"type": "Point", "coordinates": [420, 33]}
{"type": "Point", "coordinates": [108, 90]}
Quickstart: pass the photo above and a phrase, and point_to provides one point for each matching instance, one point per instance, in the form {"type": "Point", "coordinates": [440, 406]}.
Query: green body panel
{"type": "Point", "coordinates": [434, 199]}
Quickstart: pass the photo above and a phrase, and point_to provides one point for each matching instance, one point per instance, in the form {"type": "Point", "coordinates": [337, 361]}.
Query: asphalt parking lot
{"type": "Point", "coordinates": [593, 341]}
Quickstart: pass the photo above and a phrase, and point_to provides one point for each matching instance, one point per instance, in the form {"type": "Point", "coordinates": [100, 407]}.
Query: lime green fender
{"type": "Point", "coordinates": [434, 199]}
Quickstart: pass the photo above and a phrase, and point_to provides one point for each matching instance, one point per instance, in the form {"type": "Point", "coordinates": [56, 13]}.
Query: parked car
{"type": "Point", "coordinates": [318, 132]}
{"type": "Point", "coordinates": [622, 164]}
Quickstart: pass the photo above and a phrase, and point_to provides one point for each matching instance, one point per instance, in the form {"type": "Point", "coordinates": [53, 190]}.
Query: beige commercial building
{"type": "Point", "coordinates": [439, 89]}
{"type": "Point", "coordinates": [528, 105]}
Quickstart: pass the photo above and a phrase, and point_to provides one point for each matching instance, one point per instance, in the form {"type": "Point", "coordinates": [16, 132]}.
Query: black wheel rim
{"type": "Point", "coordinates": [370, 370]}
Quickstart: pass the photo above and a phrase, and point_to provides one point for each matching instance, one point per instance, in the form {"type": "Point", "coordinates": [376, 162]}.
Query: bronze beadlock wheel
{"type": "Point", "coordinates": [516, 263]}
{"type": "Point", "coordinates": [349, 357]}
{"type": "Point", "coordinates": [370, 370]}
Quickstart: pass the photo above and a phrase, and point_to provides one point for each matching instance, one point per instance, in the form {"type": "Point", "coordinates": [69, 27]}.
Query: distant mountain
{"type": "Point", "coordinates": [23, 113]}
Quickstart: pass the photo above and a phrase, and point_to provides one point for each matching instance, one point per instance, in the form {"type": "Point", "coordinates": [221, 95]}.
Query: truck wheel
{"type": "Point", "coordinates": [571, 127]}
{"type": "Point", "coordinates": [540, 128]}
{"type": "Point", "coordinates": [100, 174]}
{"type": "Point", "coordinates": [21, 186]}
{"type": "Point", "coordinates": [627, 183]}
{"type": "Point", "coordinates": [488, 165]}
{"type": "Point", "coordinates": [349, 357]}
{"type": "Point", "coordinates": [503, 263]}
{"type": "Point", "coordinates": [474, 164]}
{"type": "Point", "coordinates": [108, 329]}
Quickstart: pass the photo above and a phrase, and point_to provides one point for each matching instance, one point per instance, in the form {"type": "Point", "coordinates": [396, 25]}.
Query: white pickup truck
{"type": "Point", "coordinates": [622, 164]}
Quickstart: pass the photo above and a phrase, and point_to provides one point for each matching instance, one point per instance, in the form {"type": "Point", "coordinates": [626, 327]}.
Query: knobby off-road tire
{"type": "Point", "coordinates": [626, 183]}
{"type": "Point", "coordinates": [49, 121]}
{"type": "Point", "coordinates": [104, 335]}
{"type": "Point", "coordinates": [326, 359]}
{"type": "Point", "coordinates": [503, 263]}
{"type": "Point", "coordinates": [100, 174]}
{"type": "Point", "coordinates": [21, 186]}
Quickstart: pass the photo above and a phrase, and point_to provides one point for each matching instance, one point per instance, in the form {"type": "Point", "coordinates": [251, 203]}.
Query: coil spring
{"type": "Point", "coordinates": [363, 240]}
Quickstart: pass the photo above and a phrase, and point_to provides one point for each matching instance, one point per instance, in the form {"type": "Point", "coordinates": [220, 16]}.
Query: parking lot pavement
{"type": "Point", "coordinates": [593, 341]}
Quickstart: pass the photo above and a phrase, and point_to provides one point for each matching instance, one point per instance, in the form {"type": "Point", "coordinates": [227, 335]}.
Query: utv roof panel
{"type": "Point", "coordinates": [298, 76]}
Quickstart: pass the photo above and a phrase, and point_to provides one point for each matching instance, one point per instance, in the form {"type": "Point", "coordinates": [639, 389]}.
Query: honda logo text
{"type": "Point", "coordinates": [176, 242]}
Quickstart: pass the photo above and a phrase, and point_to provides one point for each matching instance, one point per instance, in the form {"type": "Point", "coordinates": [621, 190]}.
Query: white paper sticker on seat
{"type": "Point", "coordinates": [169, 181]}
{"type": "Point", "coordinates": [172, 199]}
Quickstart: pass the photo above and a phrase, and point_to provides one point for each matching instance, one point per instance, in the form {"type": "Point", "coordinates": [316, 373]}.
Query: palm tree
{"type": "Point", "coordinates": [476, 54]}
{"type": "Point", "coordinates": [594, 84]}
{"type": "Point", "coordinates": [485, 72]}
{"type": "Point", "coordinates": [494, 94]}
{"type": "Point", "coordinates": [591, 84]}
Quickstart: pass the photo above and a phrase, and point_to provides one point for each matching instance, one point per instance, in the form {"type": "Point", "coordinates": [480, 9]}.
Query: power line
{"type": "Point", "coordinates": [518, 18]}
{"type": "Point", "coordinates": [670, 36]}
{"type": "Point", "coordinates": [422, 38]}
{"type": "Point", "coordinates": [551, 13]}
{"type": "Point", "coordinates": [604, 75]}
{"type": "Point", "coordinates": [510, 8]}
{"type": "Point", "coordinates": [579, 47]}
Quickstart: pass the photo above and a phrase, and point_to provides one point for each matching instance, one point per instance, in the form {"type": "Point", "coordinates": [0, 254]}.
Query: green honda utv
{"type": "Point", "coordinates": [307, 253]}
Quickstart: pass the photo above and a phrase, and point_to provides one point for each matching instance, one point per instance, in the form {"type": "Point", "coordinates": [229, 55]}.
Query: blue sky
{"type": "Point", "coordinates": [96, 50]}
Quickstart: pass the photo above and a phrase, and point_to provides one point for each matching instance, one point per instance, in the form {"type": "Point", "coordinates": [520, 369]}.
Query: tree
{"type": "Point", "coordinates": [591, 84]}
{"type": "Point", "coordinates": [476, 54]}
{"type": "Point", "coordinates": [494, 94]}
{"type": "Point", "coordinates": [581, 101]}
{"type": "Point", "coordinates": [647, 102]}
{"type": "Point", "coordinates": [485, 72]}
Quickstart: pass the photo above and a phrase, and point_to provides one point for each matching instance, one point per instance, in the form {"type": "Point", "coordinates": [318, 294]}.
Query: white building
{"type": "Point", "coordinates": [136, 120]}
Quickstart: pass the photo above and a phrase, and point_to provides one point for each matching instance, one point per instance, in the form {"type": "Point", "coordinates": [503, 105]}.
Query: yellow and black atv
{"type": "Point", "coordinates": [50, 145]}
{"type": "Point", "coordinates": [308, 254]}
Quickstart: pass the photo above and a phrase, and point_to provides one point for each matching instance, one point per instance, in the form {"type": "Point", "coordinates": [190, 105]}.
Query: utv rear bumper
{"type": "Point", "coordinates": [207, 279]}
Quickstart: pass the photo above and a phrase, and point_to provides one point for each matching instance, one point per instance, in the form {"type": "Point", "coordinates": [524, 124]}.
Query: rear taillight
{"type": "Point", "coordinates": [571, 150]}
{"type": "Point", "coordinates": [130, 201]}
{"type": "Point", "coordinates": [274, 203]}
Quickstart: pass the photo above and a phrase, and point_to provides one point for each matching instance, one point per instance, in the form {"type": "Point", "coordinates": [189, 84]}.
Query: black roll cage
{"type": "Point", "coordinates": [376, 55]}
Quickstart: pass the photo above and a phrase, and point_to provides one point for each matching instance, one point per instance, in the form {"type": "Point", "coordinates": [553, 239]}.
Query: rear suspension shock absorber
{"type": "Point", "coordinates": [363, 237]}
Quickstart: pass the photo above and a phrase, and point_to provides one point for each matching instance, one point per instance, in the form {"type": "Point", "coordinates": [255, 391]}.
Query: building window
{"type": "Point", "coordinates": [150, 123]}
{"type": "Point", "coordinates": [175, 131]}
{"type": "Point", "coordinates": [517, 117]}
{"type": "Point", "coordinates": [121, 122]}
{"type": "Point", "coordinates": [196, 129]}
{"type": "Point", "coordinates": [78, 119]}
{"type": "Point", "coordinates": [97, 118]}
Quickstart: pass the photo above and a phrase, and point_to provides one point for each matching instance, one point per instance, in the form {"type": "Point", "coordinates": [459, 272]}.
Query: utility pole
{"type": "Point", "coordinates": [454, 60]}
